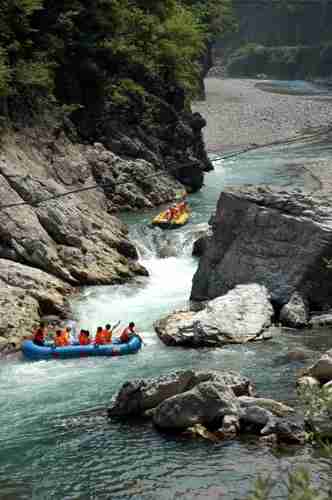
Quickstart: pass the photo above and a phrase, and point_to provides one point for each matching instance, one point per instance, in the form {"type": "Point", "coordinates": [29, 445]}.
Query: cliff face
{"type": "Point", "coordinates": [48, 249]}
{"type": "Point", "coordinates": [157, 126]}
{"type": "Point", "coordinates": [280, 239]}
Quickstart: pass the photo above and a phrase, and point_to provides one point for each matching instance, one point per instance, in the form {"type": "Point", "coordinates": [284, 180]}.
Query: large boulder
{"type": "Point", "coordinates": [295, 313]}
{"type": "Point", "coordinates": [206, 403]}
{"type": "Point", "coordinates": [137, 396]}
{"type": "Point", "coordinates": [278, 239]}
{"type": "Point", "coordinates": [240, 316]}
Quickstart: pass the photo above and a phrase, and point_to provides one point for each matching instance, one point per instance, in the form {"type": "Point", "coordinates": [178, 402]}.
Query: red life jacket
{"type": "Point", "coordinates": [126, 334]}
{"type": "Point", "coordinates": [38, 337]}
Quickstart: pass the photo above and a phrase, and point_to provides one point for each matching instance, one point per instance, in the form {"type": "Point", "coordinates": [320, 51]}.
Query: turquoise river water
{"type": "Point", "coordinates": [56, 442]}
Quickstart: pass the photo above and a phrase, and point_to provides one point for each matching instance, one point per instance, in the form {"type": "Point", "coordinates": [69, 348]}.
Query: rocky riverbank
{"type": "Point", "coordinates": [47, 250]}
{"type": "Point", "coordinates": [239, 114]}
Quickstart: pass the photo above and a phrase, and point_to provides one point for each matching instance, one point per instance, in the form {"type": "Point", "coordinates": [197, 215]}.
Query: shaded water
{"type": "Point", "coordinates": [295, 87]}
{"type": "Point", "coordinates": [55, 440]}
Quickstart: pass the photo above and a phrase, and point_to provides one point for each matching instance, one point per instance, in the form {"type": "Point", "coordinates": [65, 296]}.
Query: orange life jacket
{"type": "Point", "coordinates": [83, 339]}
{"type": "Point", "coordinates": [107, 336]}
{"type": "Point", "coordinates": [100, 338]}
{"type": "Point", "coordinates": [65, 335]}
{"type": "Point", "coordinates": [61, 341]}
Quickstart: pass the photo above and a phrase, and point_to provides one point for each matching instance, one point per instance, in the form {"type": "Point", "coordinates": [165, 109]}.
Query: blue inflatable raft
{"type": "Point", "coordinates": [36, 352]}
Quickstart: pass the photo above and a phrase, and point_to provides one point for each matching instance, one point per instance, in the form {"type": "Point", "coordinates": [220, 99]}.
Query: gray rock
{"type": "Point", "coordinates": [275, 238]}
{"type": "Point", "coordinates": [167, 250]}
{"type": "Point", "coordinates": [322, 369]}
{"type": "Point", "coordinates": [296, 355]}
{"type": "Point", "coordinates": [260, 419]}
{"type": "Point", "coordinates": [230, 426]}
{"type": "Point", "coordinates": [295, 313]}
{"type": "Point", "coordinates": [304, 382]}
{"type": "Point", "coordinates": [240, 316]}
{"type": "Point", "coordinates": [290, 431]}
{"type": "Point", "coordinates": [199, 246]}
{"type": "Point", "coordinates": [321, 320]}
{"type": "Point", "coordinates": [138, 396]}
{"type": "Point", "coordinates": [275, 407]}
{"type": "Point", "coordinates": [206, 403]}
{"type": "Point", "coordinates": [328, 387]}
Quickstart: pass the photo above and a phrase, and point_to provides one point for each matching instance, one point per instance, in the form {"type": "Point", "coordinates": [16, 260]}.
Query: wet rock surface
{"type": "Point", "coordinates": [210, 404]}
{"type": "Point", "coordinates": [278, 239]}
{"type": "Point", "coordinates": [206, 403]}
{"type": "Point", "coordinates": [48, 249]}
{"type": "Point", "coordinates": [240, 316]}
{"type": "Point", "coordinates": [138, 396]}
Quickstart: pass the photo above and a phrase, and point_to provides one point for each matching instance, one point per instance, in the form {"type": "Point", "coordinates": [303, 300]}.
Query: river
{"type": "Point", "coordinates": [55, 440]}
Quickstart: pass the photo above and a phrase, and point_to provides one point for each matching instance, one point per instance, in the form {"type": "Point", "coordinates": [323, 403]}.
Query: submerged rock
{"type": "Point", "coordinates": [276, 238]}
{"type": "Point", "coordinates": [240, 316]}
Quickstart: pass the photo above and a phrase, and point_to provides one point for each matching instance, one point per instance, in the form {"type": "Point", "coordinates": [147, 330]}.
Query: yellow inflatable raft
{"type": "Point", "coordinates": [162, 221]}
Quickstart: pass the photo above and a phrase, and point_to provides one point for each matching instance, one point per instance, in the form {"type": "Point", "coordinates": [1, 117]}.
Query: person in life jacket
{"type": "Point", "coordinates": [107, 332]}
{"type": "Point", "coordinates": [39, 337]}
{"type": "Point", "coordinates": [100, 337]}
{"type": "Point", "coordinates": [84, 337]}
{"type": "Point", "coordinates": [172, 212]}
{"type": "Point", "coordinates": [60, 339]}
{"type": "Point", "coordinates": [183, 206]}
{"type": "Point", "coordinates": [128, 332]}
{"type": "Point", "coordinates": [66, 334]}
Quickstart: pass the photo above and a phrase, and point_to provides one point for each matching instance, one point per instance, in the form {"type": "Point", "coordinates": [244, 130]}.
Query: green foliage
{"type": "Point", "coordinates": [216, 17]}
{"type": "Point", "coordinates": [124, 89]}
{"type": "Point", "coordinates": [5, 75]}
{"type": "Point", "coordinates": [88, 53]}
{"type": "Point", "coordinates": [262, 489]}
{"type": "Point", "coordinates": [34, 74]}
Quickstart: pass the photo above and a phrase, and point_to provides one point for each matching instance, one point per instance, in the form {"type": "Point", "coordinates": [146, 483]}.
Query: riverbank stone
{"type": "Point", "coordinates": [240, 316]}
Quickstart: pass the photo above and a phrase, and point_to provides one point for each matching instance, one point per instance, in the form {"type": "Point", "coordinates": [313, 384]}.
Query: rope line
{"type": "Point", "coordinates": [68, 193]}
{"type": "Point", "coordinates": [290, 140]}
